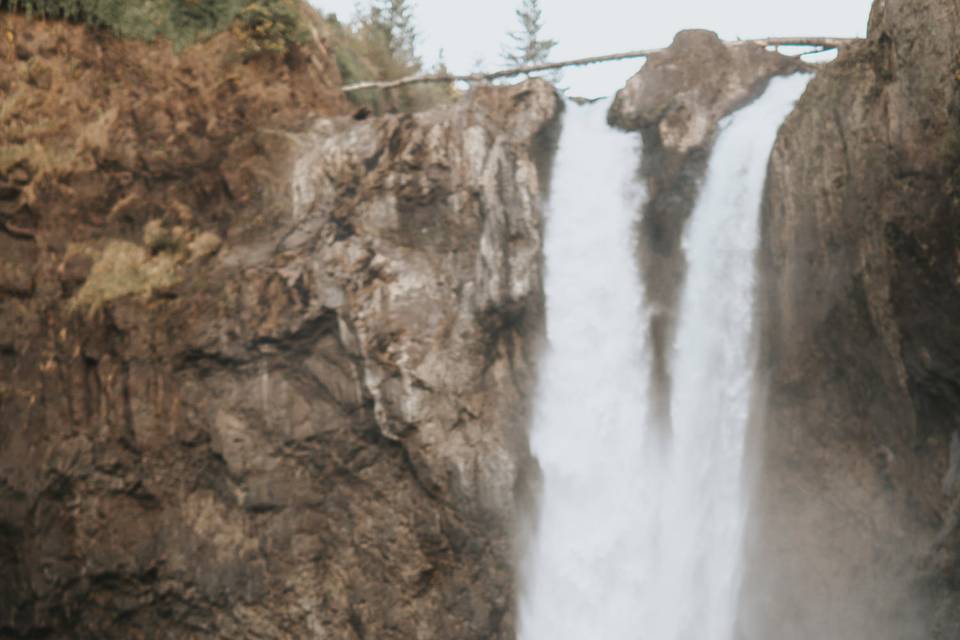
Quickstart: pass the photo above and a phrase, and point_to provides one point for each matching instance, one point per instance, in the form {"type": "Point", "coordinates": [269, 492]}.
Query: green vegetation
{"type": "Point", "coordinates": [269, 26]}
{"type": "Point", "coordinates": [527, 46]}
{"type": "Point", "coordinates": [380, 44]}
{"type": "Point", "coordinates": [264, 25]}
{"type": "Point", "coordinates": [122, 268]}
{"type": "Point", "coordinates": [38, 133]}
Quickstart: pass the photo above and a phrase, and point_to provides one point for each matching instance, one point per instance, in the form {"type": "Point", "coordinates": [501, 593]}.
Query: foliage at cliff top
{"type": "Point", "coordinates": [380, 44]}
{"type": "Point", "coordinates": [264, 25]}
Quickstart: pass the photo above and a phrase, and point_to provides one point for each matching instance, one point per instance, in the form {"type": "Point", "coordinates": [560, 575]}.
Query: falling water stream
{"type": "Point", "coordinates": [639, 534]}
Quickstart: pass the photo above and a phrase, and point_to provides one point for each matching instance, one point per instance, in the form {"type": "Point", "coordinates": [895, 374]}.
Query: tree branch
{"type": "Point", "coordinates": [821, 44]}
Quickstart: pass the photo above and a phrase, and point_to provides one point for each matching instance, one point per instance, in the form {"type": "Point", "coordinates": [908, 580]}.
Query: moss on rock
{"type": "Point", "coordinates": [121, 269]}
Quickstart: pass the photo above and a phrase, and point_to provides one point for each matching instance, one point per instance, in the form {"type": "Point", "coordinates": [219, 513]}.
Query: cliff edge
{"type": "Point", "coordinates": [264, 368]}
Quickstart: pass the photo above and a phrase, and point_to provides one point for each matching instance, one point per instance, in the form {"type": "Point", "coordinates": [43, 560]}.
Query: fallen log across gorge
{"type": "Point", "coordinates": [817, 44]}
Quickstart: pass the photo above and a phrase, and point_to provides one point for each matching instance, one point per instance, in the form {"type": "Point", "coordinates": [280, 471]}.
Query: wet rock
{"type": "Point", "coordinates": [853, 534]}
{"type": "Point", "coordinates": [676, 102]}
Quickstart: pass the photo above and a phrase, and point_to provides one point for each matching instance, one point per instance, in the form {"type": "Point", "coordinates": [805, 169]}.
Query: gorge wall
{"type": "Point", "coordinates": [264, 367]}
{"type": "Point", "coordinates": [855, 517]}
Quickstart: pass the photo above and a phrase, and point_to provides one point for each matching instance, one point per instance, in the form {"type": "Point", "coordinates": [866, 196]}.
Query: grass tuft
{"type": "Point", "coordinates": [123, 269]}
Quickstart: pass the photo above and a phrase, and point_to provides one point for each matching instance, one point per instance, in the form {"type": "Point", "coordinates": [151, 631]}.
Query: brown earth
{"type": "Point", "coordinates": [263, 371]}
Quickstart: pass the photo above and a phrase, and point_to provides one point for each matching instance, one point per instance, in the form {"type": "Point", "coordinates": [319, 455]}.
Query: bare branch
{"type": "Point", "coordinates": [821, 44]}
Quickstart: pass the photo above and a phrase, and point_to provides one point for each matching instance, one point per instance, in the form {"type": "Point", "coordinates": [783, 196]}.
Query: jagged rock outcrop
{"type": "Point", "coordinates": [433, 231]}
{"type": "Point", "coordinates": [261, 374]}
{"type": "Point", "coordinates": [676, 102]}
{"type": "Point", "coordinates": [680, 95]}
{"type": "Point", "coordinates": [855, 527]}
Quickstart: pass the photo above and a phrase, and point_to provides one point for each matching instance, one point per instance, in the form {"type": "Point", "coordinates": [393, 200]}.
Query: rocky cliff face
{"type": "Point", "coordinates": [262, 373]}
{"type": "Point", "coordinates": [856, 514]}
{"type": "Point", "coordinates": [676, 102]}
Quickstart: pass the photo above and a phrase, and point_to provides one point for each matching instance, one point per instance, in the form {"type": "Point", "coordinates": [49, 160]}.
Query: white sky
{"type": "Point", "coordinates": [469, 31]}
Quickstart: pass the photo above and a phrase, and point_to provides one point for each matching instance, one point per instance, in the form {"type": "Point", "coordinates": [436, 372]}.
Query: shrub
{"type": "Point", "coordinates": [266, 24]}
{"type": "Point", "coordinates": [269, 27]}
{"type": "Point", "coordinates": [527, 46]}
{"type": "Point", "coordinates": [371, 49]}
{"type": "Point", "coordinates": [123, 269]}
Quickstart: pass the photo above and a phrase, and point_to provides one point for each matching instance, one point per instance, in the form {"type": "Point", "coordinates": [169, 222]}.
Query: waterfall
{"type": "Point", "coordinates": [639, 536]}
{"type": "Point", "coordinates": [589, 411]}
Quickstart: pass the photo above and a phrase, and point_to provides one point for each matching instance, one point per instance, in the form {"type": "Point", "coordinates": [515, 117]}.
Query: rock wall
{"type": "Point", "coordinates": [262, 373]}
{"type": "Point", "coordinates": [854, 533]}
{"type": "Point", "coordinates": [676, 102]}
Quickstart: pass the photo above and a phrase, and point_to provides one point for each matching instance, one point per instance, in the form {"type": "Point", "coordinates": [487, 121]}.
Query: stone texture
{"type": "Point", "coordinates": [685, 90]}
{"type": "Point", "coordinates": [855, 531]}
{"type": "Point", "coordinates": [439, 256]}
{"type": "Point", "coordinates": [298, 406]}
{"type": "Point", "coordinates": [676, 102]}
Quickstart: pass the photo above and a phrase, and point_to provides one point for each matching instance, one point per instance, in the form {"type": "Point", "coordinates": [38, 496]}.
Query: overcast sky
{"type": "Point", "coordinates": [469, 31]}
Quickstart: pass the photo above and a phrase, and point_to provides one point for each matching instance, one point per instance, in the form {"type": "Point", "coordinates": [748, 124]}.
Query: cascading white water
{"type": "Point", "coordinates": [639, 536]}
{"type": "Point", "coordinates": [590, 404]}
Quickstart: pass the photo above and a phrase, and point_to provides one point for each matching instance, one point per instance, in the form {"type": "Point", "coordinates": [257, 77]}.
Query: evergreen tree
{"type": "Point", "coordinates": [394, 20]}
{"type": "Point", "coordinates": [526, 46]}
{"type": "Point", "coordinates": [381, 44]}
